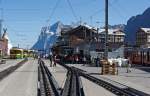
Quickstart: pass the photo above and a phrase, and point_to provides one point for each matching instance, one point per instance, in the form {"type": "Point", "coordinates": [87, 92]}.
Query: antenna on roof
{"type": "Point", "coordinates": [91, 20]}
{"type": "Point", "coordinates": [80, 21]}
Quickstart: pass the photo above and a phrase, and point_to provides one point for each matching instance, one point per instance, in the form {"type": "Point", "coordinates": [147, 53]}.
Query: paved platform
{"type": "Point", "coordinates": [90, 88]}
{"type": "Point", "coordinates": [22, 82]}
{"type": "Point", "coordinates": [9, 63]}
{"type": "Point", "coordinates": [58, 72]}
{"type": "Point", "coordinates": [137, 79]}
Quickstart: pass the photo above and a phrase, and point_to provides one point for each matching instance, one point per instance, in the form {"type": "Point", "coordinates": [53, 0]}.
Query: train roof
{"type": "Point", "coordinates": [16, 49]}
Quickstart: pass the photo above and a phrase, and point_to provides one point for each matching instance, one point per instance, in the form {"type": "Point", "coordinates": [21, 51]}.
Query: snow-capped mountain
{"type": "Point", "coordinates": [49, 35]}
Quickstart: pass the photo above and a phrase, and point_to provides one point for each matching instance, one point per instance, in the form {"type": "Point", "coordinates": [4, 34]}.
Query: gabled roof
{"type": "Point", "coordinates": [147, 30]}
{"type": "Point", "coordinates": [5, 36]}
{"type": "Point", "coordinates": [81, 27]}
{"type": "Point", "coordinates": [112, 32]}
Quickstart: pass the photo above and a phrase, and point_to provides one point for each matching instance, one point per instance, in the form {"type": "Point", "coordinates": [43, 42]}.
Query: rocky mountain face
{"type": "Point", "coordinates": [133, 25]}
{"type": "Point", "coordinates": [49, 36]}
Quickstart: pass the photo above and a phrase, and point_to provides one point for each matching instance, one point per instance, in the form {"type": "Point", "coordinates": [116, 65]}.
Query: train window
{"type": "Point", "coordinates": [144, 53]}
{"type": "Point", "coordinates": [148, 57]}
{"type": "Point", "coordinates": [139, 52]}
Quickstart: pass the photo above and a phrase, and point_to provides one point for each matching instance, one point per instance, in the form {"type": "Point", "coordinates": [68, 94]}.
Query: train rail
{"type": "Point", "coordinates": [73, 85]}
{"type": "Point", "coordinates": [46, 83]}
{"type": "Point", "coordinates": [124, 91]}
{"type": "Point", "coordinates": [11, 69]}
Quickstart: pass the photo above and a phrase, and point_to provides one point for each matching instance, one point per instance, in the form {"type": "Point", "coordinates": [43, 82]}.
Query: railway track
{"type": "Point", "coordinates": [46, 83]}
{"type": "Point", "coordinates": [11, 69]}
{"type": "Point", "coordinates": [73, 85]}
{"type": "Point", "coordinates": [124, 91]}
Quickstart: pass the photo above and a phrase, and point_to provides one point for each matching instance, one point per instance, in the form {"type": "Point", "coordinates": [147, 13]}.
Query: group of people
{"type": "Point", "coordinates": [53, 60]}
{"type": "Point", "coordinates": [96, 61]}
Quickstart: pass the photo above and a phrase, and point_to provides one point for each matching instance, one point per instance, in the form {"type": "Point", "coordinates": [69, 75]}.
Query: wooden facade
{"type": "Point", "coordinates": [84, 38]}
{"type": "Point", "coordinates": [143, 38]}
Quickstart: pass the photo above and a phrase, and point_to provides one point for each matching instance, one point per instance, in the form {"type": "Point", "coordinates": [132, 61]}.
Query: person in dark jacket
{"type": "Point", "coordinates": [50, 59]}
{"type": "Point", "coordinates": [128, 65]}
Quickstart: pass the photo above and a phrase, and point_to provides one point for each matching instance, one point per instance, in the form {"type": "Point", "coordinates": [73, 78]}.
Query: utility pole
{"type": "Point", "coordinates": [1, 22]}
{"type": "Point", "coordinates": [1, 19]}
{"type": "Point", "coordinates": [97, 36]}
{"type": "Point", "coordinates": [80, 21]}
{"type": "Point", "coordinates": [18, 46]}
{"type": "Point", "coordinates": [106, 30]}
{"type": "Point", "coordinates": [91, 20]}
{"type": "Point", "coordinates": [1, 27]}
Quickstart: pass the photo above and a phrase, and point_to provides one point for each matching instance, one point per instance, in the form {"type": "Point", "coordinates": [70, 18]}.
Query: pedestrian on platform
{"type": "Point", "coordinates": [77, 59]}
{"type": "Point", "coordinates": [129, 65]}
{"type": "Point", "coordinates": [39, 59]}
{"type": "Point", "coordinates": [55, 59]}
{"type": "Point", "coordinates": [97, 61]}
{"type": "Point", "coordinates": [84, 60]}
{"type": "Point", "coordinates": [50, 58]}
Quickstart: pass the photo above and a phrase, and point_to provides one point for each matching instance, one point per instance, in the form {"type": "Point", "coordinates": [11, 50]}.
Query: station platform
{"type": "Point", "coordinates": [22, 82]}
{"type": "Point", "coordinates": [138, 79]}
{"type": "Point", "coordinates": [9, 63]}
{"type": "Point", "coordinates": [90, 88]}
{"type": "Point", "coordinates": [58, 72]}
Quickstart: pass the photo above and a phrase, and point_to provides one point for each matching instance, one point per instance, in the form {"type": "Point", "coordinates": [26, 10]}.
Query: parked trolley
{"type": "Point", "coordinates": [16, 53]}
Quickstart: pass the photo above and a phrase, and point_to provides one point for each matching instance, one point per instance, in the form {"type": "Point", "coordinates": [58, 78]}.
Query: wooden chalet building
{"type": "Point", "coordinates": [143, 38]}
{"type": "Point", "coordinates": [83, 39]}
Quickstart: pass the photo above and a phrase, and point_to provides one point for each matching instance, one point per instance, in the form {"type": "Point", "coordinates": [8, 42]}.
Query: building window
{"type": "Point", "coordinates": [148, 39]}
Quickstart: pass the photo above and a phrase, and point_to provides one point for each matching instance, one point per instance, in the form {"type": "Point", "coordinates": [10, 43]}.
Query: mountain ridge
{"type": "Point", "coordinates": [134, 24]}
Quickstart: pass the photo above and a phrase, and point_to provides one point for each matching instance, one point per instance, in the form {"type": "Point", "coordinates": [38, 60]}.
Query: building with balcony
{"type": "Point", "coordinates": [143, 38]}
{"type": "Point", "coordinates": [83, 39]}
{"type": "Point", "coordinates": [115, 38]}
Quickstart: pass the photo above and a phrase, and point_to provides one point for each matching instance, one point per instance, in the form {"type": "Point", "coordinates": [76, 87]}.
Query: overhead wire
{"type": "Point", "coordinates": [116, 10]}
{"type": "Point", "coordinates": [95, 13]}
{"type": "Point", "coordinates": [123, 9]}
{"type": "Point", "coordinates": [53, 10]}
{"type": "Point", "coordinates": [1, 10]}
{"type": "Point", "coordinates": [72, 10]}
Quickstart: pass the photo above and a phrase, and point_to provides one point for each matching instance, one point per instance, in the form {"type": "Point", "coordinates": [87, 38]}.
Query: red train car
{"type": "Point", "coordinates": [138, 56]}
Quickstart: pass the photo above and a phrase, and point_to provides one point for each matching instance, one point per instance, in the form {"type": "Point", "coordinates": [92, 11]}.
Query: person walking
{"type": "Point", "coordinates": [129, 65]}
{"type": "Point", "coordinates": [97, 61]}
{"type": "Point", "coordinates": [55, 57]}
{"type": "Point", "coordinates": [39, 59]}
{"type": "Point", "coordinates": [76, 59]}
{"type": "Point", "coordinates": [50, 58]}
{"type": "Point", "coordinates": [84, 60]}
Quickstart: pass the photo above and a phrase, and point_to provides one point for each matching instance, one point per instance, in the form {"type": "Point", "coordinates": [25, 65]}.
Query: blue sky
{"type": "Point", "coordinates": [24, 18]}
